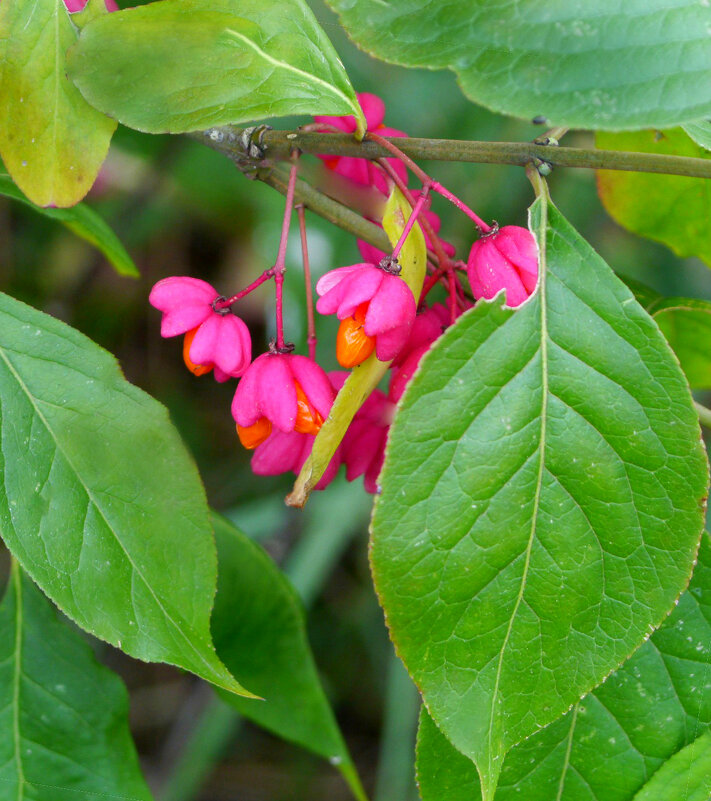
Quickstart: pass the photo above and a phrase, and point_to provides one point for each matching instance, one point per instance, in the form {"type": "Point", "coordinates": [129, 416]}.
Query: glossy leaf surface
{"type": "Point", "coordinates": [616, 739]}
{"type": "Point", "coordinates": [542, 501]}
{"type": "Point", "coordinates": [238, 61]}
{"type": "Point", "coordinates": [670, 209]}
{"type": "Point", "coordinates": [602, 65]}
{"type": "Point", "coordinates": [51, 140]}
{"type": "Point", "coordinates": [700, 132]}
{"type": "Point", "coordinates": [84, 222]}
{"type": "Point", "coordinates": [685, 777]}
{"type": "Point", "coordinates": [686, 325]}
{"type": "Point", "coordinates": [99, 496]}
{"type": "Point", "coordinates": [63, 716]}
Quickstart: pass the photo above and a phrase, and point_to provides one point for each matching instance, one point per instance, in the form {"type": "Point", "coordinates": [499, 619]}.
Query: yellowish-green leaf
{"type": "Point", "coordinates": [670, 209]}
{"type": "Point", "coordinates": [239, 61]}
{"type": "Point", "coordinates": [51, 140]}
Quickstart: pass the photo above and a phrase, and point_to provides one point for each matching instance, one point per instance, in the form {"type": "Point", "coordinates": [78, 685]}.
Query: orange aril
{"type": "Point", "coordinates": [353, 345]}
{"type": "Point", "coordinates": [251, 436]}
{"type": "Point", "coordinates": [308, 420]}
{"type": "Point", "coordinates": [195, 369]}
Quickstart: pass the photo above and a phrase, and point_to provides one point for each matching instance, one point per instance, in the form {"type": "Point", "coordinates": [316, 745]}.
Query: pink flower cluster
{"type": "Point", "coordinates": [283, 399]}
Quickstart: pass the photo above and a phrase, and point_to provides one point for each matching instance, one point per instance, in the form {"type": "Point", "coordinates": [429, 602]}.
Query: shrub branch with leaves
{"type": "Point", "coordinates": [523, 417]}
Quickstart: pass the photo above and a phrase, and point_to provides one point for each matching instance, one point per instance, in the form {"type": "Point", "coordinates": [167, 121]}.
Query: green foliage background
{"type": "Point", "coordinates": [180, 209]}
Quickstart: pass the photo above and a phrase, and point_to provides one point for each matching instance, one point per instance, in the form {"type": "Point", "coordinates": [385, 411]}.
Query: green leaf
{"type": "Point", "coordinates": [100, 502]}
{"type": "Point", "coordinates": [365, 377]}
{"type": "Point", "coordinates": [63, 716]}
{"type": "Point", "coordinates": [685, 777]}
{"type": "Point", "coordinates": [616, 738]}
{"type": "Point", "coordinates": [542, 503]}
{"type": "Point", "coordinates": [670, 209]}
{"type": "Point", "coordinates": [84, 222]}
{"type": "Point", "coordinates": [51, 140]}
{"type": "Point", "coordinates": [259, 630]}
{"type": "Point", "coordinates": [239, 61]}
{"type": "Point", "coordinates": [605, 64]}
{"type": "Point", "coordinates": [686, 324]}
{"type": "Point", "coordinates": [700, 132]}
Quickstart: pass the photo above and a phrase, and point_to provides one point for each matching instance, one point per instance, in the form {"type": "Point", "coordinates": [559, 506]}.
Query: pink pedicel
{"type": "Point", "coordinates": [390, 304]}
{"type": "Point", "coordinates": [363, 171]}
{"type": "Point", "coordinates": [371, 254]}
{"type": "Point", "coordinates": [505, 259]}
{"type": "Point", "coordinates": [363, 447]}
{"type": "Point", "coordinates": [218, 339]}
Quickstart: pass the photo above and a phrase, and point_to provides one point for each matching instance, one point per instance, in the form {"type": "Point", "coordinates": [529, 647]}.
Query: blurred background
{"type": "Point", "coordinates": [182, 209]}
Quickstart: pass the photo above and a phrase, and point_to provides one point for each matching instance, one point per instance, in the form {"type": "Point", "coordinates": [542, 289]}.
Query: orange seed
{"type": "Point", "coordinates": [195, 369]}
{"type": "Point", "coordinates": [251, 436]}
{"type": "Point", "coordinates": [353, 345]}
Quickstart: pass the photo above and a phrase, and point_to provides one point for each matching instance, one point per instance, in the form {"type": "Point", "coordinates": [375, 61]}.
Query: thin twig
{"type": "Point", "coordinates": [279, 144]}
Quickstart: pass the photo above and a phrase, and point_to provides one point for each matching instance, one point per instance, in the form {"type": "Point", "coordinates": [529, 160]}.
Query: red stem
{"type": "Point", "coordinates": [227, 302]}
{"type": "Point", "coordinates": [279, 265]}
{"type": "Point", "coordinates": [422, 175]}
{"type": "Point", "coordinates": [311, 340]}
{"type": "Point", "coordinates": [480, 224]}
{"type": "Point", "coordinates": [426, 227]}
{"type": "Point", "coordinates": [411, 220]}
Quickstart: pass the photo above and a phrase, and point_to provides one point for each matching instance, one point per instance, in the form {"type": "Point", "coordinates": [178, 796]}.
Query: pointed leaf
{"type": "Point", "coordinates": [686, 324]}
{"type": "Point", "coordinates": [605, 64]}
{"type": "Point", "coordinates": [670, 209]}
{"type": "Point", "coordinates": [259, 630]}
{"type": "Point", "coordinates": [610, 744]}
{"type": "Point", "coordinates": [100, 502]}
{"type": "Point", "coordinates": [84, 222]}
{"type": "Point", "coordinates": [685, 777]}
{"type": "Point", "coordinates": [239, 61]}
{"type": "Point", "coordinates": [63, 716]}
{"type": "Point", "coordinates": [51, 140]}
{"type": "Point", "coordinates": [700, 132]}
{"type": "Point", "coordinates": [542, 502]}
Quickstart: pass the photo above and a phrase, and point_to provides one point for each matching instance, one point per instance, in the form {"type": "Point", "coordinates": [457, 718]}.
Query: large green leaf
{"type": "Point", "coordinates": [700, 132]}
{"type": "Point", "coordinates": [670, 209]}
{"type": "Point", "coordinates": [685, 777]}
{"type": "Point", "coordinates": [84, 222]}
{"type": "Point", "coordinates": [259, 630]}
{"type": "Point", "coordinates": [686, 324]}
{"type": "Point", "coordinates": [63, 716]}
{"type": "Point", "coordinates": [582, 64]}
{"type": "Point", "coordinates": [100, 502]}
{"type": "Point", "coordinates": [542, 501]}
{"type": "Point", "coordinates": [51, 140]}
{"type": "Point", "coordinates": [610, 744]}
{"type": "Point", "coordinates": [238, 61]}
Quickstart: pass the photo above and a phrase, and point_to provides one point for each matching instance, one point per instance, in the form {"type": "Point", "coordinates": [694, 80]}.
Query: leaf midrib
{"type": "Point", "coordinates": [492, 770]}
{"type": "Point", "coordinates": [289, 67]}
{"type": "Point", "coordinates": [90, 496]}
{"type": "Point", "coordinates": [16, 579]}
